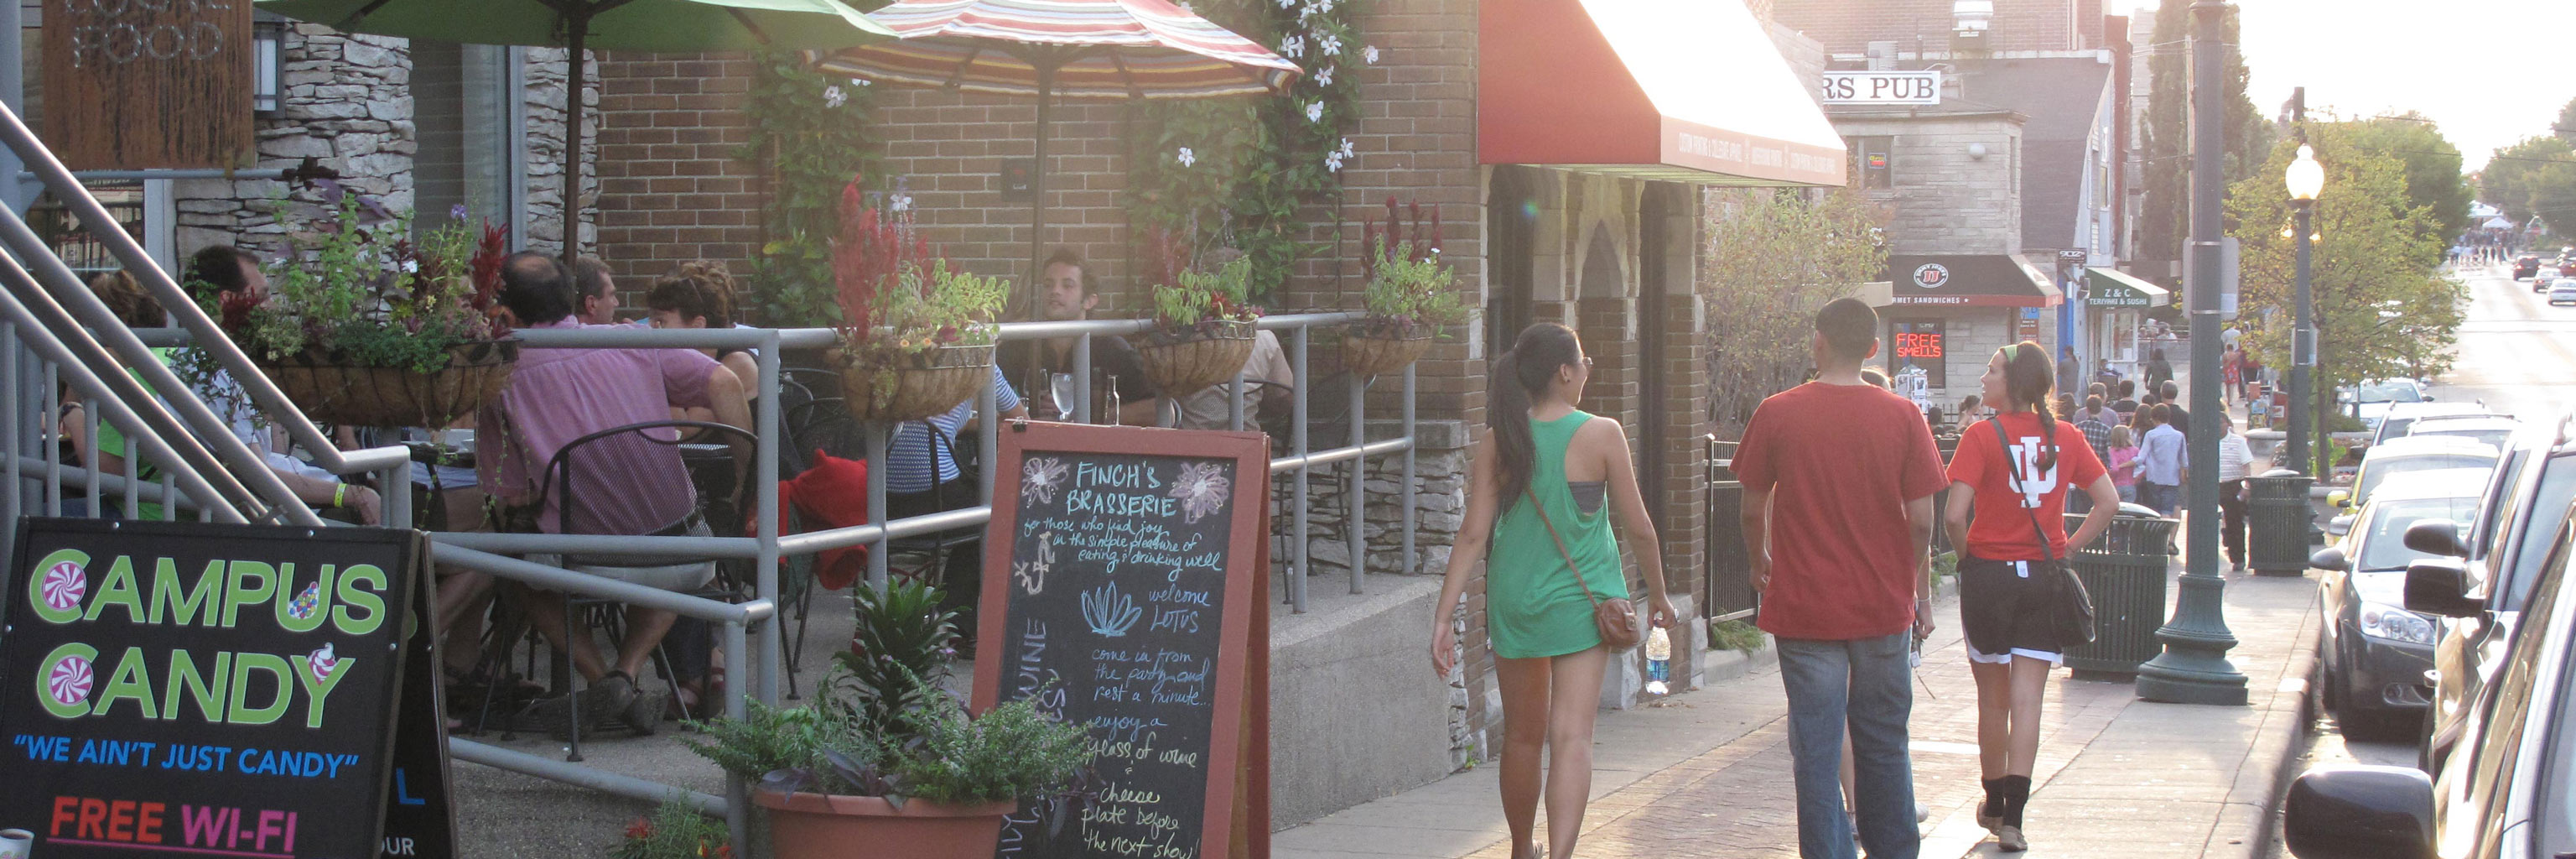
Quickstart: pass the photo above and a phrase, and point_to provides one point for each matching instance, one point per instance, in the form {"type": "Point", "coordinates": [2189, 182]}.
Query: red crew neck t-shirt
{"type": "Point", "coordinates": [1840, 462]}
{"type": "Point", "coordinates": [2002, 531]}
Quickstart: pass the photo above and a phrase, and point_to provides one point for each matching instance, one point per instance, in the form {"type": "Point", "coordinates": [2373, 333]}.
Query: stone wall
{"type": "Point", "coordinates": [1947, 200]}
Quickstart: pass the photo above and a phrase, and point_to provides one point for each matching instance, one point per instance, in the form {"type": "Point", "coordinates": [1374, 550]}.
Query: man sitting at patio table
{"type": "Point", "coordinates": [626, 485]}
{"type": "Point", "coordinates": [923, 477]}
{"type": "Point", "coordinates": [1066, 293]}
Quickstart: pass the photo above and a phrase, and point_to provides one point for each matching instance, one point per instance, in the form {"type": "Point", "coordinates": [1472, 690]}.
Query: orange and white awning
{"type": "Point", "coordinates": [1678, 90]}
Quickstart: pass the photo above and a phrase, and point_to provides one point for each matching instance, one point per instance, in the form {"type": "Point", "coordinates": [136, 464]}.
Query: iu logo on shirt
{"type": "Point", "coordinates": [2035, 483]}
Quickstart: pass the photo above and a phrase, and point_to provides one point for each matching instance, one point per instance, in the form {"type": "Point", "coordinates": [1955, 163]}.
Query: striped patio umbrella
{"type": "Point", "coordinates": [1098, 49]}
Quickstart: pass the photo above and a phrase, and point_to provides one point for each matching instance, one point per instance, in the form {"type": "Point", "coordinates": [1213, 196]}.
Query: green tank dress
{"type": "Point", "coordinates": [1533, 606]}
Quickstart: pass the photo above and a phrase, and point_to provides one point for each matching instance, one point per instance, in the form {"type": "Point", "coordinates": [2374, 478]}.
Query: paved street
{"type": "Point", "coordinates": [2516, 350]}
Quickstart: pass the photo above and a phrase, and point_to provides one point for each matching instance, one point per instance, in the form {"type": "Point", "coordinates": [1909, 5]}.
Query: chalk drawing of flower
{"type": "Point", "coordinates": [1202, 488]}
{"type": "Point", "coordinates": [1041, 477]}
{"type": "Point", "coordinates": [1108, 612]}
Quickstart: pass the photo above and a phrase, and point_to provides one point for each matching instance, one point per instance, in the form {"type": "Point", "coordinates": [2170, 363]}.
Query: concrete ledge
{"type": "Point", "coordinates": [1355, 712]}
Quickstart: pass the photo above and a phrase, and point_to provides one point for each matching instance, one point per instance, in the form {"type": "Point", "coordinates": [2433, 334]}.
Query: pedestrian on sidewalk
{"type": "Point", "coordinates": [2231, 375]}
{"type": "Point", "coordinates": [1838, 483]}
{"type": "Point", "coordinates": [2123, 463]}
{"type": "Point", "coordinates": [2160, 462]}
{"type": "Point", "coordinates": [2235, 458]}
{"type": "Point", "coordinates": [2023, 462]}
{"type": "Point", "coordinates": [1541, 476]}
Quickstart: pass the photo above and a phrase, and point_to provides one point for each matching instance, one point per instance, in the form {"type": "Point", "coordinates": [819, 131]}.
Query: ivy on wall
{"type": "Point", "coordinates": [1209, 174]}
{"type": "Point", "coordinates": [811, 133]}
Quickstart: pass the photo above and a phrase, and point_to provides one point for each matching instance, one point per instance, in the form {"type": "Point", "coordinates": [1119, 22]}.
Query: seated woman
{"type": "Point", "coordinates": [699, 294]}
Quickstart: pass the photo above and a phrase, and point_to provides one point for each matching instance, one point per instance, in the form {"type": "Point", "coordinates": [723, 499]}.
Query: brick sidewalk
{"type": "Point", "coordinates": [1708, 774]}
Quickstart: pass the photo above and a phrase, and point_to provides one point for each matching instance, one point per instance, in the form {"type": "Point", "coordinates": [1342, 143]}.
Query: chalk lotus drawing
{"type": "Point", "coordinates": [69, 681]}
{"type": "Point", "coordinates": [1202, 488]}
{"type": "Point", "coordinates": [64, 586]}
{"type": "Point", "coordinates": [322, 662]}
{"type": "Point", "coordinates": [1040, 478]}
{"type": "Point", "coordinates": [1109, 612]}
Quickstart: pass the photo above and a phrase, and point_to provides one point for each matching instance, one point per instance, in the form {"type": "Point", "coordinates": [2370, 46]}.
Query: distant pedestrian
{"type": "Point", "coordinates": [2235, 459]}
{"type": "Point", "coordinates": [2160, 463]}
{"type": "Point", "coordinates": [2159, 371]}
{"type": "Point", "coordinates": [2123, 463]}
{"type": "Point", "coordinates": [1971, 410]}
{"type": "Point", "coordinates": [1541, 477]}
{"type": "Point", "coordinates": [2231, 374]}
{"type": "Point", "coordinates": [2127, 404]}
{"type": "Point", "coordinates": [1838, 485]}
{"type": "Point", "coordinates": [2097, 432]}
{"type": "Point", "coordinates": [2022, 465]}
{"type": "Point", "coordinates": [2169, 392]}
{"type": "Point", "coordinates": [2069, 371]}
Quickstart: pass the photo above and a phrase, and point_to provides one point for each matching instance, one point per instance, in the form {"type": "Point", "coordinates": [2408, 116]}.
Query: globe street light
{"type": "Point", "coordinates": [2306, 179]}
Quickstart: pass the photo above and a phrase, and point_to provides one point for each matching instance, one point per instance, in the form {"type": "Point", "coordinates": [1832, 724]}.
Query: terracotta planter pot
{"type": "Point", "coordinates": [922, 386]}
{"type": "Point", "coordinates": [1377, 349]}
{"type": "Point", "coordinates": [329, 389]}
{"type": "Point", "coordinates": [1185, 360]}
{"type": "Point", "coordinates": [803, 825]}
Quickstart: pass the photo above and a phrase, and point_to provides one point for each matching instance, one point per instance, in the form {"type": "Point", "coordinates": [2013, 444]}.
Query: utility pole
{"type": "Point", "coordinates": [2193, 668]}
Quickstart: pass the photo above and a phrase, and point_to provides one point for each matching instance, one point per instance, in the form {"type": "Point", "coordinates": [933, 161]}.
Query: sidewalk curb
{"type": "Point", "coordinates": [2276, 754]}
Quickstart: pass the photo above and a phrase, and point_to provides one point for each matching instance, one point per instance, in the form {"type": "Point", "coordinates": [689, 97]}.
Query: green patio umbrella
{"type": "Point", "coordinates": [634, 25]}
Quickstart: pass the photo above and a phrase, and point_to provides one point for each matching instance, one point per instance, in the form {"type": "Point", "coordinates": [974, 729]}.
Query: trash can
{"type": "Point", "coordinates": [2278, 518]}
{"type": "Point", "coordinates": [2125, 572]}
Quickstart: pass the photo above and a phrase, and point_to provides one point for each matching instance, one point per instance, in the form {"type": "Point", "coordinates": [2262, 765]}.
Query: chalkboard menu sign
{"type": "Point", "coordinates": [1127, 602]}
{"type": "Point", "coordinates": [131, 84]}
{"type": "Point", "coordinates": [183, 688]}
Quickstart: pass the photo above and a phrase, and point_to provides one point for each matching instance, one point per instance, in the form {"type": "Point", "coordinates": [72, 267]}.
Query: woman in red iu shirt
{"type": "Point", "coordinates": [2007, 574]}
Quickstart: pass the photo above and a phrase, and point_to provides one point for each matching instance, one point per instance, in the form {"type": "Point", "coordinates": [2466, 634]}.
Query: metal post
{"type": "Point", "coordinates": [2193, 668]}
{"type": "Point", "coordinates": [1082, 379]}
{"type": "Point", "coordinates": [878, 435]}
{"type": "Point", "coordinates": [17, 434]}
{"type": "Point", "coordinates": [737, 791]}
{"type": "Point", "coordinates": [1297, 443]}
{"type": "Point", "coordinates": [17, 190]}
{"type": "Point", "coordinates": [773, 660]}
{"type": "Point", "coordinates": [1234, 402]}
{"type": "Point", "coordinates": [988, 436]}
{"type": "Point", "coordinates": [1355, 487]}
{"type": "Point", "coordinates": [2303, 355]}
{"type": "Point", "coordinates": [1406, 562]}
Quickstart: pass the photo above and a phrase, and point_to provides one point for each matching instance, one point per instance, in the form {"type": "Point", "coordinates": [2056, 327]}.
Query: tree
{"type": "Point", "coordinates": [2381, 307]}
{"type": "Point", "coordinates": [2520, 174]}
{"type": "Point", "coordinates": [2433, 179]}
{"type": "Point", "coordinates": [2565, 128]}
{"type": "Point", "coordinates": [1774, 258]}
{"type": "Point", "coordinates": [2166, 219]}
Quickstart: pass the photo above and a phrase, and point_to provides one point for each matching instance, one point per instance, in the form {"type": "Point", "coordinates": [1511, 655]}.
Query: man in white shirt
{"type": "Point", "coordinates": [2235, 463]}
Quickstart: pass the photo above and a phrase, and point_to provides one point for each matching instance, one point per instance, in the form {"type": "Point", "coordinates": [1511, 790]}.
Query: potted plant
{"type": "Point", "coordinates": [916, 338]}
{"type": "Point", "coordinates": [676, 830]}
{"type": "Point", "coordinates": [364, 326]}
{"type": "Point", "coordinates": [1411, 295]}
{"type": "Point", "coordinates": [888, 763]}
{"type": "Point", "coordinates": [1206, 323]}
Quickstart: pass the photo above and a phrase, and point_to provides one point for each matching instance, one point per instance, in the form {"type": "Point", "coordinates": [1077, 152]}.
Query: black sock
{"type": "Point", "coordinates": [1994, 806]}
{"type": "Point", "coordinates": [2016, 797]}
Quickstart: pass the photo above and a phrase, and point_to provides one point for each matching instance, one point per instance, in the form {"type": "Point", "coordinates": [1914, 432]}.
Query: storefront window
{"type": "Point", "coordinates": [1871, 161]}
{"type": "Point", "coordinates": [462, 101]}
{"type": "Point", "coordinates": [1919, 343]}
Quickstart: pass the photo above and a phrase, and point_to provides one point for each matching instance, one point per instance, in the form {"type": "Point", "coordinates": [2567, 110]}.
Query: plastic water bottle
{"type": "Point", "coordinates": [1659, 661]}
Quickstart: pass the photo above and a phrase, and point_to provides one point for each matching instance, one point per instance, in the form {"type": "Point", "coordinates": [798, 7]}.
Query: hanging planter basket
{"type": "Point", "coordinates": [330, 388]}
{"type": "Point", "coordinates": [915, 386]}
{"type": "Point", "coordinates": [1184, 360]}
{"type": "Point", "coordinates": [1375, 347]}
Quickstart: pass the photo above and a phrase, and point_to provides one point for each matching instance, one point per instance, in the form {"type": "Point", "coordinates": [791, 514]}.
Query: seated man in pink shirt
{"type": "Point", "coordinates": [625, 484]}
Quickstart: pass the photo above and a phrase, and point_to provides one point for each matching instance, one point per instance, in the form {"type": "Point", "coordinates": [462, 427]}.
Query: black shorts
{"type": "Point", "coordinates": [2004, 607]}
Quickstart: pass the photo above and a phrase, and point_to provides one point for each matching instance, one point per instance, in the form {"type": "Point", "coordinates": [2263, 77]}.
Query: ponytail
{"type": "Point", "coordinates": [2028, 379]}
{"type": "Point", "coordinates": [1518, 377]}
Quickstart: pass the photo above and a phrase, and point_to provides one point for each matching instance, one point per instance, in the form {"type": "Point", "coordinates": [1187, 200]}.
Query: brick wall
{"type": "Point", "coordinates": [1946, 200]}
{"type": "Point", "coordinates": [673, 186]}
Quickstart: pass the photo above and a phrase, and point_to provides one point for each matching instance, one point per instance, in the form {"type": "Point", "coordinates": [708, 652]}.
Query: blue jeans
{"type": "Point", "coordinates": [2165, 499]}
{"type": "Point", "coordinates": [1864, 683]}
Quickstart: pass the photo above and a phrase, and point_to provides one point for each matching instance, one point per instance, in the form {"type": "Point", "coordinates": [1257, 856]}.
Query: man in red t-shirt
{"type": "Point", "coordinates": [1838, 483]}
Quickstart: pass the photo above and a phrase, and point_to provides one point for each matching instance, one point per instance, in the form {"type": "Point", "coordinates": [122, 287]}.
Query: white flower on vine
{"type": "Point", "coordinates": [834, 97]}
{"type": "Point", "coordinates": [1294, 47]}
{"type": "Point", "coordinates": [1283, 4]}
{"type": "Point", "coordinates": [1328, 43]}
{"type": "Point", "coordinates": [411, 266]}
{"type": "Point", "coordinates": [1324, 77]}
{"type": "Point", "coordinates": [1333, 162]}
{"type": "Point", "coordinates": [1370, 54]}
{"type": "Point", "coordinates": [1345, 151]}
{"type": "Point", "coordinates": [1187, 157]}
{"type": "Point", "coordinates": [899, 203]}
{"type": "Point", "coordinates": [1314, 111]}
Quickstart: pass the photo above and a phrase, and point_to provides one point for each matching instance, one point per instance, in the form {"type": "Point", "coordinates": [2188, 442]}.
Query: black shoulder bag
{"type": "Point", "coordinates": [2070, 610]}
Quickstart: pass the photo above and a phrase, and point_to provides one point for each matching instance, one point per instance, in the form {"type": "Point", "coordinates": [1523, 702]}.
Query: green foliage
{"type": "Point", "coordinates": [812, 133]}
{"type": "Point", "coordinates": [1944, 566]}
{"type": "Point", "coordinates": [898, 653]}
{"type": "Point", "coordinates": [1202, 295]}
{"type": "Point", "coordinates": [1773, 258]}
{"type": "Point", "coordinates": [1404, 293]}
{"type": "Point", "coordinates": [676, 830]}
{"type": "Point", "coordinates": [355, 288]}
{"type": "Point", "coordinates": [2165, 222]}
{"type": "Point", "coordinates": [2344, 422]}
{"type": "Point", "coordinates": [2534, 177]}
{"type": "Point", "coordinates": [2432, 167]}
{"type": "Point", "coordinates": [2382, 309]}
{"type": "Point", "coordinates": [931, 749]}
{"type": "Point", "coordinates": [1253, 163]}
{"type": "Point", "coordinates": [1736, 635]}
{"type": "Point", "coordinates": [1012, 750]}
{"type": "Point", "coordinates": [771, 738]}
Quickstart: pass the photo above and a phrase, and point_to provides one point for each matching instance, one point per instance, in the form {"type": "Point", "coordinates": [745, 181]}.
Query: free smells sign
{"type": "Point", "coordinates": [170, 688]}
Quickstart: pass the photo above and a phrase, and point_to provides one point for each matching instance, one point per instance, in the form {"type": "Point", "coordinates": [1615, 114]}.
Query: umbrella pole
{"type": "Point", "coordinates": [1037, 215]}
{"type": "Point", "coordinates": [577, 29]}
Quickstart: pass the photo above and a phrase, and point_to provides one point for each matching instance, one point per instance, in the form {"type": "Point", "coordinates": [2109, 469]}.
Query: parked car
{"type": "Point", "coordinates": [2374, 651]}
{"type": "Point", "coordinates": [2491, 429]}
{"type": "Point", "coordinates": [2526, 266]}
{"type": "Point", "coordinates": [2497, 567]}
{"type": "Point", "coordinates": [2562, 291]}
{"type": "Point", "coordinates": [2510, 791]}
{"type": "Point", "coordinates": [2372, 400]}
{"type": "Point", "coordinates": [2400, 418]}
{"type": "Point", "coordinates": [2403, 456]}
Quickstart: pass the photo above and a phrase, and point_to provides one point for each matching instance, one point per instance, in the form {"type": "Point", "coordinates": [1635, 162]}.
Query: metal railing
{"type": "Point", "coordinates": [54, 331]}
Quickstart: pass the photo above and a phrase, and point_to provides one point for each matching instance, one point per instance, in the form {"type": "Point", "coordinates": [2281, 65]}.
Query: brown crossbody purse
{"type": "Point", "coordinates": [1616, 617]}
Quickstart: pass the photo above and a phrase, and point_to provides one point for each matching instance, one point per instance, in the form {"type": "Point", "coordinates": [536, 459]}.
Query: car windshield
{"type": "Point", "coordinates": [2548, 510]}
{"type": "Point", "coordinates": [2491, 435]}
{"type": "Point", "coordinates": [2390, 392]}
{"type": "Point", "coordinates": [2383, 546]}
{"type": "Point", "coordinates": [2375, 473]}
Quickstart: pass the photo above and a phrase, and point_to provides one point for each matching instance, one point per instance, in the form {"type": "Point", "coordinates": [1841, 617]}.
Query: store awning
{"type": "Point", "coordinates": [1676, 90]}
{"type": "Point", "coordinates": [2113, 288]}
{"type": "Point", "coordinates": [1969, 280]}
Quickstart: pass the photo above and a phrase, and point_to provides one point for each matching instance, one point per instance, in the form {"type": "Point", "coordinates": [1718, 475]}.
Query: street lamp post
{"type": "Point", "coordinates": [2193, 669]}
{"type": "Point", "coordinates": [2306, 179]}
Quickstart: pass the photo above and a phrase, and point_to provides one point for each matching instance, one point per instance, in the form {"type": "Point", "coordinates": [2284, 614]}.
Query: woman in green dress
{"type": "Point", "coordinates": [1546, 466]}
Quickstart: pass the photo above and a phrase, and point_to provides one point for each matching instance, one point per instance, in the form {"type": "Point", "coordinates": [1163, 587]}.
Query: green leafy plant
{"type": "Point", "coordinates": [809, 131]}
{"type": "Point", "coordinates": [932, 749]}
{"type": "Point", "coordinates": [898, 652]}
{"type": "Point", "coordinates": [1736, 635]}
{"type": "Point", "coordinates": [1201, 296]}
{"type": "Point", "coordinates": [675, 830]}
{"type": "Point", "coordinates": [1944, 566]}
{"type": "Point", "coordinates": [1410, 291]}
